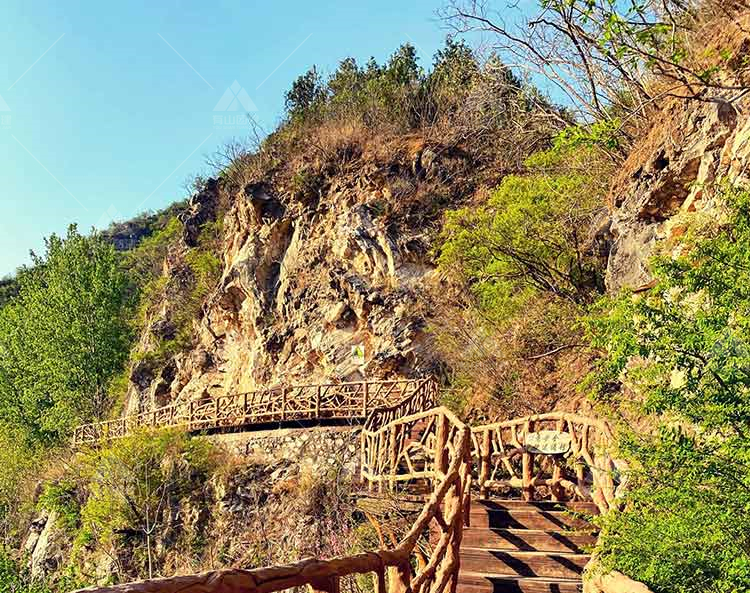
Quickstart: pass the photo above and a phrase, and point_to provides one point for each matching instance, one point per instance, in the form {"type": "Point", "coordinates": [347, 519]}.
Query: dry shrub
{"type": "Point", "coordinates": [716, 42]}
{"type": "Point", "coordinates": [316, 507]}
{"type": "Point", "coordinates": [529, 364]}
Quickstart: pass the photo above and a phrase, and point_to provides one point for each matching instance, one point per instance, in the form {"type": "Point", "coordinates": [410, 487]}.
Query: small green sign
{"type": "Point", "coordinates": [358, 354]}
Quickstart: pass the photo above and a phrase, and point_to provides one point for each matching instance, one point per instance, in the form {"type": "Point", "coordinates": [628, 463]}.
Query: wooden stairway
{"type": "Point", "coordinates": [525, 547]}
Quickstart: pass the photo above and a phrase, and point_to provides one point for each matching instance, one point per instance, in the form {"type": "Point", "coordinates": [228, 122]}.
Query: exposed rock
{"type": "Point", "coordinates": [34, 531]}
{"type": "Point", "coordinates": [693, 144]}
{"type": "Point", "coordinates": [613, 582]}
{"type": "Point", "coordinates": [303, 283]}
{"type": "Point", "coordinates": [44, 545]}
{"type": "Point", "coordinates": [201, 208]}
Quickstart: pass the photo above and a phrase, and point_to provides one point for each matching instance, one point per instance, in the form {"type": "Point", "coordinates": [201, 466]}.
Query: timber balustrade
{"type": "Point", "coordinates": [300, 402]}
{"type": "Point", "coordinates": [445, 513]}
{"type": "Point", "coordinates": [558, 455]}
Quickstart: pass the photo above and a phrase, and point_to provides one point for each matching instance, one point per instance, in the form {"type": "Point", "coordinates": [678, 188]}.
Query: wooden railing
{"type": "Point", "coordinates": [579, 464]}
{"type": "Point", "coordinates": [419, 401]}
{"type": "Point", "coordinates": [281, 404]}
{"type": "Point", "coordinates": [555, 455]}
{"type": "Point", "coordinates": [446, 513]}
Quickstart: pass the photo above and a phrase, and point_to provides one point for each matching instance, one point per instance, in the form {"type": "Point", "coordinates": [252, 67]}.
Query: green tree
{"type": "Point", "coordinates": [8, 289]}
{"type": "Point", "coordinates": [680, 355]}
{"type": "Point", "coordinates": [454, 70]}
{"type": "Point", "coordinates": [306, 93]}
{"type": "Point", "coordinates": [63, 337]}
{"type": "Point", "coordinates": [134, 482]}
{"type": "Point", "coordinates": [530, 237]}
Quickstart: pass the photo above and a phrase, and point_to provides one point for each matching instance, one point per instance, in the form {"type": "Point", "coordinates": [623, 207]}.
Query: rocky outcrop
{"type": "Point", "coordinates": [311, 280]}
{"type": "Point", "coordinates": [44, 545]}
{"type": "Point", "coordinates": [690, 143]}
{"type": "Point", "coordinates": [613, 582]}
{"type": "Point", "coordinates": [669, 173]}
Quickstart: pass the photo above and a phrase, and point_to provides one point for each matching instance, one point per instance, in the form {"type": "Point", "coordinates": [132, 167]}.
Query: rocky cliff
{"type": "Point", "coordinates": [669, 172]}
{"type": "Point", "coordinates": [324, 274]}
{"type": "Point", "coordinates": [328, 255]}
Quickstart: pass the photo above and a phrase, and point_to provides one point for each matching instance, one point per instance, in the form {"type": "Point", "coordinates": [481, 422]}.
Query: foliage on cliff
{"type": "Point", "coordinates": [462, 105]}
{"type": "Point", "coordinates": [16, 578]}
{"type": "Point", "coordinates": [527, 264]}
{"type": "Point", "coordinates": [130, 488]}
{"type": "Point", "coordinates": [618, 62]}
{"type": "Point", "coordinates": [678, 356]}
{"type": "Point", "coordinates": [460, 97]}
{"type": "Point", "coordinates": [8, 289]}
{"type": "Point", "coordinates": [531, 236]}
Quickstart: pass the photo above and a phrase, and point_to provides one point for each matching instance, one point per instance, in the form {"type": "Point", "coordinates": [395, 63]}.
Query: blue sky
{"type": "Point", "coordinates": [105, 118]}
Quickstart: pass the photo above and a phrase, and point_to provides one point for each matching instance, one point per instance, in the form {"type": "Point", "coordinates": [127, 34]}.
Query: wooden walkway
{"type": "Point", "coordinates": [327, 401]}
{"type": "Point", "coordinates": [474, 546]}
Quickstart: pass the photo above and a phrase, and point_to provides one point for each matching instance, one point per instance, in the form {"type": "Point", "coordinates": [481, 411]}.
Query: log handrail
{"type": "Point", "coordinates": [420, 400]}
{"type": "Point", "coordinates": [446, 510]}
{"type": "Point", "coordinates": [585, 471]}
{"type": "Point", "coordinates": [325, 401]}
{"type": "Point", "coordinates": [402, 445]}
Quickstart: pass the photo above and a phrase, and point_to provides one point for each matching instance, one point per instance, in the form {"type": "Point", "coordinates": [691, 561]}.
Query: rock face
{"type": "Point", "coordinates": [320, 283]}
{"type": "Point", "coordinates": [44, 545]}
{"type": "Point", "coordinates": [689, 145]}
{"type": "Point", "coordinates": [302, 287]}
{"type": "Point", "coordinates": [667, 174]}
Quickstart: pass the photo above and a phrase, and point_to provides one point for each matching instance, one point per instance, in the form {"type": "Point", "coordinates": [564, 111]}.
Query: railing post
{"type": "Point", "coordinates": [393, 456]}
{"type": "Point", "coordinates": [528, 466]}
{"type": "Point", "coordinates": [441, 449]}
{"type": "Point", "coordinates": [363, 456]}
{"type": "Point", "coordinates": [485, 462]}
{"type": "Point", "coordinates": [283, 403]}
{"type": "Point", "coordinates": [380, 581]}
{"type": "Point", "coordinates": [382, 459]}
{"type": "Point", "coordinates": [191, 411]}
{"type": "Point", "coordinates": [216, 411]}
{"type": "Point", "coordinates": [330, 584]}
{"type": "Point", "coordinates": [400, 579]}
{"type": "Point", "coordinates": [317, 402]}
{"type": "Point", "coordinates": [556, 491]}
{"type": "Point", "coordinates": [365, 389]}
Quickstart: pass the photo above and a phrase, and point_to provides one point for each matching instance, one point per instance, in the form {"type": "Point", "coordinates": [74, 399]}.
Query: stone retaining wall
{"type": "Point", "coordinates": [319, 447]}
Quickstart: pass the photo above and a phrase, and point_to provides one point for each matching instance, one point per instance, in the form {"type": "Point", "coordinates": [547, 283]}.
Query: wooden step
{"type": "Point", "coordinates": [584, 507]}
{"type": "Point", "coordinates": [529, 540]}
{"type": "Point", "coordinates": [525, 518]}
{"type": "Point", "coordinates": [523, 564]}
{"type": "Point", "coordinates": [481, 583]}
